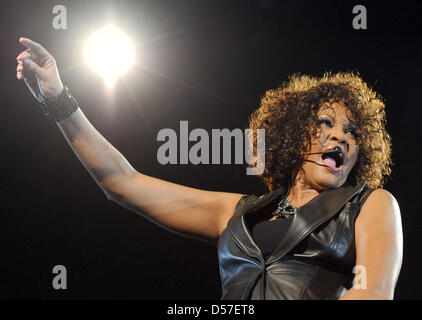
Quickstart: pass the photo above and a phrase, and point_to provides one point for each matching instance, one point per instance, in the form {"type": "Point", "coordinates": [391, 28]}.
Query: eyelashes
{"type": "Point", "coordinates": [328, 123]}
{"type": "Point", "coordinates": [352, 132]}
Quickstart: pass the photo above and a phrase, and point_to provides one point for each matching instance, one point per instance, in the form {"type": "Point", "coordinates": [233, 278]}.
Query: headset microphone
{"type": "Point", "coordinates": [335, 150]}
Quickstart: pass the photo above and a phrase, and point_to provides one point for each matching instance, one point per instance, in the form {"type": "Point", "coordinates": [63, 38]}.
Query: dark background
{"type": "Point", "coordinates": [208, 62]}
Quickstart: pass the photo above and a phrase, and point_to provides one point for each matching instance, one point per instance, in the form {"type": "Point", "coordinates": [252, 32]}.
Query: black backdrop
{"type": "Point", "coordinates": [207, 62]}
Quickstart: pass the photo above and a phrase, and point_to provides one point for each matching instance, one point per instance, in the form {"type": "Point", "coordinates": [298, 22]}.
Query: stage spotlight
{"type": "Point", "coordinates": [110, 53]}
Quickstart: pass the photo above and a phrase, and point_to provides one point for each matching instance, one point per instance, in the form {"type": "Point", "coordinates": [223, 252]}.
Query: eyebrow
{"type": "Point", "coordinates": [351, 124]}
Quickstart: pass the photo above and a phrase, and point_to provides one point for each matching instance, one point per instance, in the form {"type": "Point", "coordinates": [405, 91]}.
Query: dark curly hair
{"type": "Point", "coordinates": [289, 116]}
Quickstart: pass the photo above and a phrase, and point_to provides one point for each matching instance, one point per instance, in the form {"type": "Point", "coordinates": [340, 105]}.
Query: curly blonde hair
{"type": "Point", "coordinates": [287, 113]}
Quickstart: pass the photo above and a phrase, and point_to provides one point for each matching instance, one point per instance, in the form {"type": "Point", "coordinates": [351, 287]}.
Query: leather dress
{"type": "Point", "coordinates": [314, 258]}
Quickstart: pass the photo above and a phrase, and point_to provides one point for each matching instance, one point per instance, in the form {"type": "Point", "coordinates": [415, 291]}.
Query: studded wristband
{"type": "Point", "coordinates": [61, 107]}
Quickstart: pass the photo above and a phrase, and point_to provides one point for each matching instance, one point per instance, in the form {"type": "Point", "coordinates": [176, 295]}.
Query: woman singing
{"type": "Point", "coordinates": [325, 230]}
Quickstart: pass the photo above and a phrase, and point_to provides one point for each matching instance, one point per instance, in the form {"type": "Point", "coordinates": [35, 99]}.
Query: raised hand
{"type": "Point", "coordinates": [37, 67]}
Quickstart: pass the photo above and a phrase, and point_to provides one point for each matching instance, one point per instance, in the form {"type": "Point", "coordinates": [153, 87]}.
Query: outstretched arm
{"type": "Point", "coordinates": [187, 211]}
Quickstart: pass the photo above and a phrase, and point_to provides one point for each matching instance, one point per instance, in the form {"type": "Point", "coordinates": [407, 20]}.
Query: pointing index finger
{"type": "Point", "coordinates": [38, 49]}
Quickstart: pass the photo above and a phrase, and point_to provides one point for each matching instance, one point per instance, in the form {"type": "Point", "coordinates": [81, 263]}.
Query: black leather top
{"type": "Point", "coordinates": [313, 259]}
{"type": "Point", "coordinates": [267, 234]}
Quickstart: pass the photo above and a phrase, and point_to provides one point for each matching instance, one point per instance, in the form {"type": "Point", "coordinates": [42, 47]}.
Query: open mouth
{"type": "Point", "coordinates": [333, 160]}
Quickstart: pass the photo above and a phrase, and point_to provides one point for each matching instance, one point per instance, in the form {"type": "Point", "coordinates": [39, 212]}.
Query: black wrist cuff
{"type": "Point", "coordinates": [61, 107]}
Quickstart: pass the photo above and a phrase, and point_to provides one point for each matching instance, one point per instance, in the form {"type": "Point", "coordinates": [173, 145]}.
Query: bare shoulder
{"type": "Point", "coordinates": [381, 198]}
{"type": "Point", "coordinates": [379, 243]}
{"type": "Point", "coordinates": [380, 206]}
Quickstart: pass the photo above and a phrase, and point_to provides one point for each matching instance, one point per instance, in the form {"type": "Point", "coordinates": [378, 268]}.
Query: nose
{"type": "Point", "coordinates": [338, 135]}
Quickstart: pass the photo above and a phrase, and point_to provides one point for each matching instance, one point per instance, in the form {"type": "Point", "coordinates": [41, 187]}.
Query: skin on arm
{"type": "Point", "coordinates": [190, 212]}
{"type": "Point", "coordinates": [187, 211]}
{"type": "Point", "coordinates": [379, 247]}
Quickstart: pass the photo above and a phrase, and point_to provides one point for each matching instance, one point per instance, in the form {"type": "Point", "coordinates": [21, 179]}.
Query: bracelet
{"type": "Point", "coordinates": [61, 107]}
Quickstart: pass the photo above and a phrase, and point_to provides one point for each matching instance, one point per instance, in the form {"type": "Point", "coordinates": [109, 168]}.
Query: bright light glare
{"type": "Point", "coordinates": [110, 53]}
